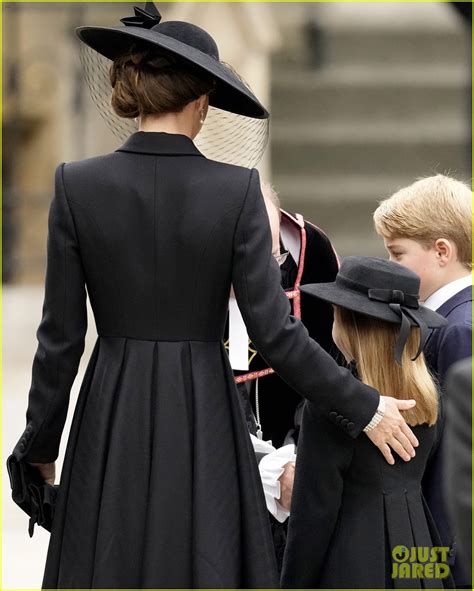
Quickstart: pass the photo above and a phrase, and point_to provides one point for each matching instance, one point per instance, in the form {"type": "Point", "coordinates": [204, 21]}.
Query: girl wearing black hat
{"type": "Point", "coordinates": [357, 522]}
{"type": "Point", "coordinates": [159, 487]}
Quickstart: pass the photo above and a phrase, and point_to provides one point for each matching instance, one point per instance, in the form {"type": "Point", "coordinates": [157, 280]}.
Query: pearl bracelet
{"type": "Point", "coordinates": [378, 416]}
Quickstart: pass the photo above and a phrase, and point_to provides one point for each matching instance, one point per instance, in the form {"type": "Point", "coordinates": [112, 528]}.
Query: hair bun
{"type": "Point", "coordinates": [145, 82]}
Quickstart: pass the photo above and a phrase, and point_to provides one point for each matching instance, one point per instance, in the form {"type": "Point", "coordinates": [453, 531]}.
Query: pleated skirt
{"type": "Point", "coordinates": [160, 487]}
{"type": "Point", "coordinates": [367, 552]}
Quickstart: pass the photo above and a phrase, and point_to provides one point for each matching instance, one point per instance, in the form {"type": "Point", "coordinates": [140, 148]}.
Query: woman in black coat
{"type": "Point", "coordinates": [356, 522]}
{"type": "Point", "coordinates": [159, 486]}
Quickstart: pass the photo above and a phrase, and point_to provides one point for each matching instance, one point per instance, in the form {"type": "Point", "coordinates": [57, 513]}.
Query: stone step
{"type": "Point", "coordinates": [346, 94]}
{"type": "Point", "coordinates": [346, 46]}
{"type": "Point", "coordinates": [431, 75]}
{"type": "Point", "coordinates": [369, 150]}
{"type": "Point", "coordinates": [374, 132]}
{"type": "Point", "coordinates": [367, 16]}
{"type": "Point", "coordinates": [348, 189]}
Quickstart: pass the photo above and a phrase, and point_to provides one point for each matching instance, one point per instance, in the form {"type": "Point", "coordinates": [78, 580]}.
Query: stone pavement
{"type": "Point", "coordinates": [24, 558]}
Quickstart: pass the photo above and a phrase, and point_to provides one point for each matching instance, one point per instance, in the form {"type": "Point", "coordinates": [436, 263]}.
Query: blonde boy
{"type": "Point", "coordinates": [427, 227]}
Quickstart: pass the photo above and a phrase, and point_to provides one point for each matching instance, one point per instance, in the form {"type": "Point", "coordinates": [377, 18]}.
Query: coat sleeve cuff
{"type": "Point", "coordinates": [271, 468]}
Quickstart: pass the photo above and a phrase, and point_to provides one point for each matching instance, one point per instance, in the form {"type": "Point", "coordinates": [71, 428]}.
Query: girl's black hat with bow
{"type": "Point", "coordinates": [381, 289]}
{"type": "Point", "coordinates": [182, 39]}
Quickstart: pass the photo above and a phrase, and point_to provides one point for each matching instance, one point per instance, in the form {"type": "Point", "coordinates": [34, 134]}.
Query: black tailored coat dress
{"type": "Point", "coordinates": [350, 509]}
{"type": "Point", "coordinates": [160, 486]}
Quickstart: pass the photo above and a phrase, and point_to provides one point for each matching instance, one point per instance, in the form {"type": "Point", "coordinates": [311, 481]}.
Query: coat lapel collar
{"type": "Point", "coordinates": [462, 297]}
{"type": "Point", "coordinates": [465, 295]}
{"type": "Point", "coordinates": [154, 142]}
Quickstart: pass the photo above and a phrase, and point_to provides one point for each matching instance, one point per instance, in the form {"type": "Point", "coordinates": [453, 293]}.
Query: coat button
{"type": "Point", "coordinates": [350, 426]}
{"type": "Point", "coordinates": [27, 435]}
{"type": "Point", "coordinates": [339, 418]}
{"type": "Point", "coordinates": [21, 447]}
{"type": "Point", "coordinates": [344, 422]}
{"type": "Point", "coordinates": [332, 415]}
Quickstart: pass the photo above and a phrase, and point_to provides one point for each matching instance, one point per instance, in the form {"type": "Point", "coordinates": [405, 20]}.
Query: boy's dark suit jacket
{"type": "Point", "coordinates": [452, 342]}
{"type": "Point", "coordinates": [148, 499]}
{"type": "Point", "coordinates": [445, 347]}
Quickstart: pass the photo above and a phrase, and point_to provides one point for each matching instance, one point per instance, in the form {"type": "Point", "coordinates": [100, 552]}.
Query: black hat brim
{"type": "Point", "coordinates": [230, 94]}
{"type": "Point", "coordinates": [358, 302]}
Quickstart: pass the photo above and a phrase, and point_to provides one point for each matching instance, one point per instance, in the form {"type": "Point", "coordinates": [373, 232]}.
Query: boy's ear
{"type": "Point", "coordinates": [444, 251]}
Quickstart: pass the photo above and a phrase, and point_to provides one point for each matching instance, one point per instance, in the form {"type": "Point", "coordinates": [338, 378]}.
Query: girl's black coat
{"type": "Point", "coordinates": [159, 486]}
{"type": "Point", "coordinates": [351, 509]}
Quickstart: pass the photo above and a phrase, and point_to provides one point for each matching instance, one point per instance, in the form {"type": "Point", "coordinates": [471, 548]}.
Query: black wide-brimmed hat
{"type": "Point", "coordinates": [381, 289]}
{"type": "Point", "coordinates": [185, 40]}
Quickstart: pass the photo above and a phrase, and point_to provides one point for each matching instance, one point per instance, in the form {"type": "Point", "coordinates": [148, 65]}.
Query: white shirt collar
{"type": "Point", "coordinates": [442, 295]}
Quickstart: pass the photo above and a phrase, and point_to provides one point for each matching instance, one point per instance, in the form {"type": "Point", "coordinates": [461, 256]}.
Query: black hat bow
{"type": "Point", "coordinates": [147, 18]}
{"type": "Point", "coordinates": [402, 304]}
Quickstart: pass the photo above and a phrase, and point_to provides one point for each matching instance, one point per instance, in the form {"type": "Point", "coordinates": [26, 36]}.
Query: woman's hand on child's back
{"type": "Point", "coordinates": [393, 432]}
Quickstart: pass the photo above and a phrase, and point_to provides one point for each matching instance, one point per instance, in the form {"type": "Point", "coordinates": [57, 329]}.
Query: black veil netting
{"type": "Point", "coordinates": [225, 136]}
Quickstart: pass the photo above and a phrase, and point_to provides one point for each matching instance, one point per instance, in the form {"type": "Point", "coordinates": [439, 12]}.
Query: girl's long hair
{"type": "Point", "coordinates": [371, 343]}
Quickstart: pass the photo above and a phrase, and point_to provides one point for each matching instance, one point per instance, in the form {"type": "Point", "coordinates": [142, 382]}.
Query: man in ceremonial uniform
{"type": "Point", "coordinates": [272, 408]}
